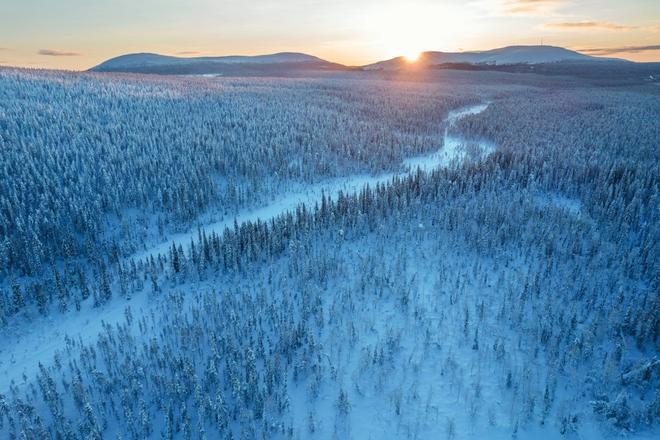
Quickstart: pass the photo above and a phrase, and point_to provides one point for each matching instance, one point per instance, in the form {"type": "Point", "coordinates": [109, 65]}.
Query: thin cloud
{"type": "Point", "coordinates": [529, 6]}
{"type": "Point", "coordinates": [188, 52]}
{"type": "Point", "coordinates": [623, 49]}
{"type": "Point", "coordinates": [57, 53]}
{"type": "Point", "coordinates": [585, 25]}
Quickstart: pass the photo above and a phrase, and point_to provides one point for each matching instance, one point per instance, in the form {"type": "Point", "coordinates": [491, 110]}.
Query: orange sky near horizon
{"type": "Point", "coordinates": [78, 34]}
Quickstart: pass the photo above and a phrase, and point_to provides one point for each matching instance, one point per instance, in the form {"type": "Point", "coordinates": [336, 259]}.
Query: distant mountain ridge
{"type": "Point", "coordinates": [501, 56]}
{"type": "Point", "coordinates": [233, 64]}
{"type": "Point", "coordinates": [294, 62]}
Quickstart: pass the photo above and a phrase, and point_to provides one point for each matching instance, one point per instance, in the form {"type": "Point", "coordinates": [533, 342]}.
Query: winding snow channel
{"type": "Point", "coordinates": [24, 347]}
{"type": "Point", "coordinates": [453, 152]}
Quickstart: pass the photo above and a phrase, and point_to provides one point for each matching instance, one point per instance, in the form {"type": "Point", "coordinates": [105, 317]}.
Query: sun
{"type": "Point", "coordinates": [411, 57]}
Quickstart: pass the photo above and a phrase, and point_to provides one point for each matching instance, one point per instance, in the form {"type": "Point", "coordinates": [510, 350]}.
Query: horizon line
{"type": "Point", "coordinates": [597, 53]}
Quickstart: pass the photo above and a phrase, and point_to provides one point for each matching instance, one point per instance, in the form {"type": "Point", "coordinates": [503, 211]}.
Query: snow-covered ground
{"type": "Point", "coordinates": [512, 297]}
{"type": "Point", "coordinates": [440, 313]}
{"type": "Point", "coordinates": [428, 380]}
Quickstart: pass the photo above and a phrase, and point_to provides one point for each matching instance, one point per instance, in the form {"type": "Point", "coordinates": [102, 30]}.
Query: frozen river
{"type": "Point", "coordinates": [452, 152]}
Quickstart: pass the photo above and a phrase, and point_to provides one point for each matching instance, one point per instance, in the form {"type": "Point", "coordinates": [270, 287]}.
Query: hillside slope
{"type": "Point", "coordinates": [238, 64]}
{"type": "Point", "coordinates": [504, 55]}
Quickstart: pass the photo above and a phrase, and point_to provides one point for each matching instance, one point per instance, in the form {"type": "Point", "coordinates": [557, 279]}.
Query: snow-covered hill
{"type": "Point", "coordinates": [155, 63]}
{"type": "Point", "coordinates": [504, 55]}
{"type": "Point", "coordinates": [292, 62]}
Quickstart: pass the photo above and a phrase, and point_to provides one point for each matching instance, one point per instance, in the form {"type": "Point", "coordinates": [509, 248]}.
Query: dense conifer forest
{"type": "Point", "coordinates": [186, 257]}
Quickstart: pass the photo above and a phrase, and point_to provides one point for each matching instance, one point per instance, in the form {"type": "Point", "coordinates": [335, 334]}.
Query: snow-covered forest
{"type": "Point", "coordinates": [459, 255]}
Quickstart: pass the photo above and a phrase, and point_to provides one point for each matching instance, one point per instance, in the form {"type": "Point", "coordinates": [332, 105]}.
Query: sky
{"type": "Point", "coordinates": [78, 34]}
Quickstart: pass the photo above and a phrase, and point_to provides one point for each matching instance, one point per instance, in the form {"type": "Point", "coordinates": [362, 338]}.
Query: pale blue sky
{"type": "Point", "coordinates": [78, 34]}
